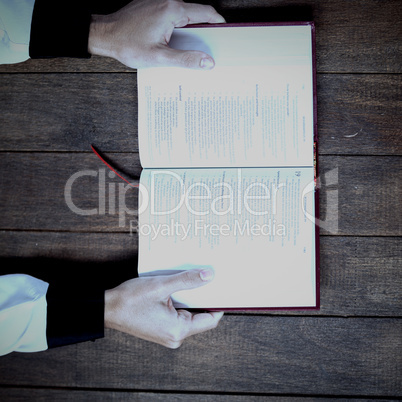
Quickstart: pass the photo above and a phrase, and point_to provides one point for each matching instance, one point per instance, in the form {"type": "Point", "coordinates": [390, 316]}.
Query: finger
{"type": "Point", "coordinates": [169, 57]}
{"type": "Point", "coordinates": [190, 279]}
{"type": "Point", "coordinates": [197, 13]}
{"type": "Point", "coordinates": [202, 322]}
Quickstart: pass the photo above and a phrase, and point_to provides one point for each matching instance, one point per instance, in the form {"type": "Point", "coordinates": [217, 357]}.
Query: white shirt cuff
{"type": "Point", "coordinates": [15, 30]}
{"type": "Point", "coordinates": [23, 311]}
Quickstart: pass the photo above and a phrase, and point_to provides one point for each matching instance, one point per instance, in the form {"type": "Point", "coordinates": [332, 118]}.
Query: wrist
{"type": "Point", "coordinates": [98, 43]}
{"type": "Point", "coordinates": [109, 308]}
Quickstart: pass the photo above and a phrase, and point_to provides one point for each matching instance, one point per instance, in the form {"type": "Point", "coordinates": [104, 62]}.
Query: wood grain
{"type": "Point", "coordinates": [360, 276]}
{"type": "Point", "coordinates": [358, 195]}
{"type": "Point", "coordinates": [69, 112]}
{"type": "Point", "coordinates": [38, 201]}
{"type": "Point", "coordinates": [50, 395]}
{"type": "Point", "coordinates": [357, 114]}
{"type": "Point", "coordinates": [358, 37]}
{"type": "Point", "coordinates": [104, 248]}
{"type": "Point", "coordinates": [367, 190]}
{"type": "Point", "coordinates": [251, 354]}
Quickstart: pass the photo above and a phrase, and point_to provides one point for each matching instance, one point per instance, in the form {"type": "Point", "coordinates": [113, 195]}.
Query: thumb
{"type": "Point", "coordinates": [185, 58]}
{"type": "Point", "coordinates": [190, 279]}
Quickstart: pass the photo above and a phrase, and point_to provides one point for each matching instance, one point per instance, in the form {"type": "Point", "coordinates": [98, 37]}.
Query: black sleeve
{"type": "Point", "coordinates": [75, 297]}
{"type": "Point", "coordinates": [60, 28]}
{"type": "Point", "coordinates": [74, 313]}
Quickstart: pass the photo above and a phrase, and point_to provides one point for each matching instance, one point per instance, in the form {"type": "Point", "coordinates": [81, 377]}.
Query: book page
{"type": "Point", "coordinates": [255, 108]}
{"type": "Point", "coordinates": [248, 224]}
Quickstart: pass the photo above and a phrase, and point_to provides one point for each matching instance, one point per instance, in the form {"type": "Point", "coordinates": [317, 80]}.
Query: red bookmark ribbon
{"type": "Point", "coordinates": [111, 168]}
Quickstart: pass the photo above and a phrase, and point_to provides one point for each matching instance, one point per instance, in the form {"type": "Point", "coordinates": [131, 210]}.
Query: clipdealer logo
{"type": "Point", "coordinates": [112, 198]}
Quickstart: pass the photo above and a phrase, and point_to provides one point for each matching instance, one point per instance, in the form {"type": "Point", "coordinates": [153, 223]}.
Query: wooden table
{"type": "Point", "coordinates": [52, 110]}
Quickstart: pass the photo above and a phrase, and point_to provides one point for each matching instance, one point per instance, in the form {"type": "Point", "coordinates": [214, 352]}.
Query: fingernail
{"type": "Point", "coordinates": [206, 274]}
{"type": "Point", "coordinates": [206, 63]}
{"type": "Point", "coordinates": [220, 20]}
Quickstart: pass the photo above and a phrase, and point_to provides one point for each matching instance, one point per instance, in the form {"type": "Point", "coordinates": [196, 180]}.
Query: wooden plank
{"type": "Point", "coordinates": [51, 395]}
{"type": "Point", "coordinates": [357, 114]}
{"type": "Point", "coordinates": [69, 112]}
{"type": "Point", "coordinates": [360, 276]}
{"type": "Point", "coordinates": [38, 201]}
{"type": "Point", "coordinates": [361, 36]}
{"type": "Point", "coordinates": [367, 190]}
{"type": "Point", "coordinates": [246, 354]}
{"type": "Point", "coordinates": [359, 196]}
{"type": "Point", "coordinates": [95, 64]}
{"type": "Point", "coordinates": [106, 248]}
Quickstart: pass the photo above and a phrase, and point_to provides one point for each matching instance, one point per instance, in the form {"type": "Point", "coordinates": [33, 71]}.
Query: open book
{"type": "Point", "coordinates": [229, 167]}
